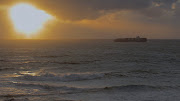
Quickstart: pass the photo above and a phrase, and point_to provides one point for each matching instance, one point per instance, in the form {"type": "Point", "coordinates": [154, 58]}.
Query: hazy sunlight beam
{"type": "Point", "coordinates": [28, 19]}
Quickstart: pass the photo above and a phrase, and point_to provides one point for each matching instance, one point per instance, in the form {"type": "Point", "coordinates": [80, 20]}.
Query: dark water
{"type": "Point", "coordinates": [89, 70]}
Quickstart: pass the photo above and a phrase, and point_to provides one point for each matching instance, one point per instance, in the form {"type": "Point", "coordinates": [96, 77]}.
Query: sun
{"type": "Point", "coordinates": [27, 19]}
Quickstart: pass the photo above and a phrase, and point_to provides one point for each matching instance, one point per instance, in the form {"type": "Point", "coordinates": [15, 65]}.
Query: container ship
{"type": "Point", "coordinates": [137, 39]}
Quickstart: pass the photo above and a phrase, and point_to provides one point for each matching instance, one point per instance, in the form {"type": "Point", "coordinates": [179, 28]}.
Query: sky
{"type": "Point", "coordinates": [101, 19]}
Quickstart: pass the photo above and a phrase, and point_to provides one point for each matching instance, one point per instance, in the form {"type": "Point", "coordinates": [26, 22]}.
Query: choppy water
{"type": "Point", "coordinates": [90, 70]}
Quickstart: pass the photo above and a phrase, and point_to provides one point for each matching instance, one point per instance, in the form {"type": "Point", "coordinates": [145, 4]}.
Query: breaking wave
{"type": "Point", "coordinates": [63, 78]}
{"type": "Point", "coordinates": [48, 87]}
{"type": "Point", "coordinates": [68, 77]}
{"type": "Point", "coordinates": [138, 88]}
{"type": "Point", "coordinates": [123, 88]}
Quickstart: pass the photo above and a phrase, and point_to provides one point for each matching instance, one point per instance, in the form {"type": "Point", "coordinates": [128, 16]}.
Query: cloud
{"type": "Point", "coordinates": [88, 9]}
{"type": "Point", "coordinates": [92, 9]}
{"type": "Point", "coordinates": [94, 17]}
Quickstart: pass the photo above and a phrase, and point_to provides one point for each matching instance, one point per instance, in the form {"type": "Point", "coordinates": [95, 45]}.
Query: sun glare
{"type": "Point", "coordinates": [27, 19]}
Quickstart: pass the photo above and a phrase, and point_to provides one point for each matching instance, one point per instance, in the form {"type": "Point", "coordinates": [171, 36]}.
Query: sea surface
{"type": "Point", "coordinates": [89, 70]}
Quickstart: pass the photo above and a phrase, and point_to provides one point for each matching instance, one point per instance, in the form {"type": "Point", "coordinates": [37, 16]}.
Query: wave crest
{"type": "Point", "coordinates": [63, 78]}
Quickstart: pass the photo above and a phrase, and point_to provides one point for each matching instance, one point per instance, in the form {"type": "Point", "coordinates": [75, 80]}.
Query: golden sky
{"type": "Point", "coordinates": [99, 18]}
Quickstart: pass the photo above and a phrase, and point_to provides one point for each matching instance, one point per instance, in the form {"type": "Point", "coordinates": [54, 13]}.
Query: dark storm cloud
{"type": "Point", "coordinates": [165, 3]}
{"type": "Point", "coordinates": [158, 8]}
{"type": "Point", "coordinates": [92, 9]}
{"type": "Point", "coordinates": [89, 9]}
{"type": "Point", "coordinates": [177, 10]}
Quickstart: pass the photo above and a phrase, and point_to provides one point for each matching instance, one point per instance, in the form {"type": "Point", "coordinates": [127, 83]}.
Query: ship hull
{"type": "Point", "coordinates": [131, 40]}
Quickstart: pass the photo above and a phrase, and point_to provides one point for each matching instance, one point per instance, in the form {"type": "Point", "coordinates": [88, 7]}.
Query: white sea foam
{"type": "Point", "coordinates": [62, 77]}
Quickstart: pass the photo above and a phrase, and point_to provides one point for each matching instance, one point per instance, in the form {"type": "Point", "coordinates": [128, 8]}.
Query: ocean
{"type": "Point", "coordinates": [89, 70]}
